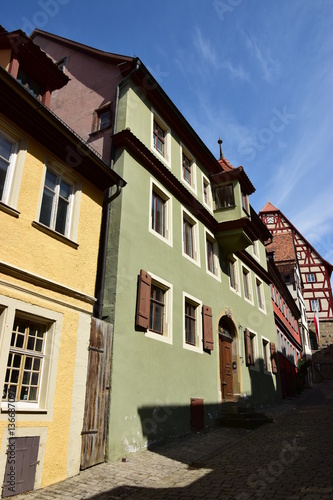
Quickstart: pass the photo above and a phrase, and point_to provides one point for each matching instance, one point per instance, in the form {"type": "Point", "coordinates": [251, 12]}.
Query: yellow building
{"type": "Point", "coordinates": [51, 201]}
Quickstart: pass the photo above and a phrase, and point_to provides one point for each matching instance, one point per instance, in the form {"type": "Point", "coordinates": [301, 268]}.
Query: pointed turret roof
{"type": "Point", "coordinates": [269, 208]}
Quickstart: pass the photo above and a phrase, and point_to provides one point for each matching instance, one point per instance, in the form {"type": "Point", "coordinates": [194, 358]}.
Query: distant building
{"type": "Point", "coordinates": [315, 272]}
{"type": "Point", "coordinates": [186, 286]}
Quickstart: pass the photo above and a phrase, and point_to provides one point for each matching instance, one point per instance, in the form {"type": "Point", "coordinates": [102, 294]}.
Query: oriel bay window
{"type": "Point", "coordinates": [55, 211]}
{"type": "Point", "coordinates": [25, 361]}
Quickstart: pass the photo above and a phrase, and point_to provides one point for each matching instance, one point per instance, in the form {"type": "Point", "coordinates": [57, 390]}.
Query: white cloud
{"type": "Point", "coordinates": [269, 66]}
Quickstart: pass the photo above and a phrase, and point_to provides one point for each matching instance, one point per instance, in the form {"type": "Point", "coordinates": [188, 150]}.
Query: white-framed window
{"type": "Point", "coordinates": [270, 219]}
{"type": "Point", "coordinates": [160, 220]}
{"type": "Point", "coordinates": [207, 193]}
{"type": "Point", "coordinates": [233, 270]}
{"type": "Point", "coordinates": [315, 305]}
{"type": "Point", "coordinates": [311, 278]}
{"type": "Point", "coordinates": [255, 249]}
{"type": "Point", "coordinates": [161, 138]}
{"type": "Point", "coordinates": [247, 286]}
{"type": "Point", "coordinates": [13, 149]}
{"type": "Point", "coordinates": [224, 197]}
{"type": "Point", "coordinates": [192, 323]}
{"type": "Point", "coordinates": [251, 349]}
{"type": "Point", "coordinates": [59, 204]}
{"type": "Point", "coordinates": [160, 313]}
{"type": "Point", "coordinates": [212, 256]}
{"type": "Point", "coordinates": [260, 295]}
{"type": "Point", "coordinates": [29, 356]}
{"type": "Point", "coordinates": [190, 237]}
{"type": "Point", "coordinates": [188, 169]}
{"type": "Point", "coordinates": [266, 354]}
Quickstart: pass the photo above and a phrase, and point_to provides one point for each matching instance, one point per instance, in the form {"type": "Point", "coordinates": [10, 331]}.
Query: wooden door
{"type": "Point", "coordinates": [95, 420]}
{"type": "Point", "coordinates": [226, 368]}
{"type": "Point", "coordinates": [20, 477]}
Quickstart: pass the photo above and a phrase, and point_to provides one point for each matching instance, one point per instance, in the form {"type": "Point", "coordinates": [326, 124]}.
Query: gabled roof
{"type": "Point", "coordinates": [86, 49]}
{"type": "Point", "coordinates": [269, 208]}
{"type": "Point", "coordinates": [229, 173]}
{"type": "Point", "coordinates": [33, 59]}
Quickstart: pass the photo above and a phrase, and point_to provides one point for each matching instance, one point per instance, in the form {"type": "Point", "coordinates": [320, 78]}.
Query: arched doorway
{"type": "Point", "coordinates": [228, 359]}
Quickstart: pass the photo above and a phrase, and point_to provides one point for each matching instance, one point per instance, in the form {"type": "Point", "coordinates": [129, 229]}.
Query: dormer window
{"type": "Point", "coordinates": [29, 84]}
{"type": "Point", "coordinates": [224, 197]}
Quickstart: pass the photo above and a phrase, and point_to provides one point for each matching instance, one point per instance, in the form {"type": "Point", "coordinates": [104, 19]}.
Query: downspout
{"type": "Point", "coordinates": [105, 224]}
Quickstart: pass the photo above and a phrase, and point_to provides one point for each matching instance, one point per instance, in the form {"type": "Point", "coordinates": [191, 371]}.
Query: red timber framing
{"type": "Point", "coordinates": [315, 270]}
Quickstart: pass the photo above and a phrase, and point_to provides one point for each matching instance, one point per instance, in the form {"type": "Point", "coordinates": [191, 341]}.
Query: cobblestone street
{"type": "Point", "coordinates": [292, 458]}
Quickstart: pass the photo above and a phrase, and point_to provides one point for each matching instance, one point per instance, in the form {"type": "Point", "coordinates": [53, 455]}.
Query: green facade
{"type": "Point", "coordinates": [153, 379]}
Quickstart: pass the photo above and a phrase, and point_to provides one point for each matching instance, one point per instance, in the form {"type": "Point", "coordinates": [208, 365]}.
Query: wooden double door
{"type": "Point", "coordinates": [226, 369]}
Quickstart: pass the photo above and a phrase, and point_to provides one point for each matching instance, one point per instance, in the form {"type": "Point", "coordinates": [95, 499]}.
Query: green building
{"type": "Point", "coordinates": [186, 283]}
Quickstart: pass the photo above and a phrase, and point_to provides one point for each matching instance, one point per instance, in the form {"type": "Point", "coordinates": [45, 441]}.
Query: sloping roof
{"type": "Point", "coordinates": [283, 247]}
{"type": "Point", "coordinates": [31, 57]}
{"type": "Point", "coordinates": [229, 173]}
{"type": "Point", "coordinates": [269, 208]}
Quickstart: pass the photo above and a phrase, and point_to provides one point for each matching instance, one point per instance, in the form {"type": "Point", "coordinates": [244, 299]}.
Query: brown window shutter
{"type": "Point", "coordinates": [248, 350]}
{"type": "Point", "coordinates": [273, 358]}
{"type": "Point", "coordinates": [208, 339]}
{"type": "Point", "coordinates": [143, 302]}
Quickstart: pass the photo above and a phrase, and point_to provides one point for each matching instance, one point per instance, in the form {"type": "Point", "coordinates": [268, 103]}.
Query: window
{"type": "Point", "coordinates": [245, 203]}
{"type": "Point", "coordinates": [260, 294]}
{"type": "Point", "coordinates": [55, 211]}
{"type": "Point", "coordinates": [154, 307]}
{"type": "Point", "coordinates": [7, 159]}
{"type": "Point", "coordinates": [61, 64]}
{"type": "Point", "coordinates": [255, 248]}
{"type": "Point", "coordinates": [247, 284]}
{"type": "Point", "coordinates": [212, 259]}
{"type": "Point", "coordinates": [101, 118]}
{"type": "Point", "coordinates": [233, 275]}
{"type": "Point", "coordinates": [315, 305]}
{"type": "Point", "coordinates": [188, 169]}
{"type": "Point", "coordinates": [158, 138]}
{"type": "Point", "coordinates": [250, 347]}
{"type": "Point", "coordinates": [310, 278]}
{"type": "Point", "coordinates": [158, 214]}
{"type": "Point", "coordinates": [25, 361]}
{"type": "Point", "coordinates": [192, 324]}
{"type": "Point", "coordinates": [270, 219]}
{"type": "Point", "coordinates": [157, 304]}
{"type": "Point", "coordinates": [29, 84]}
{"type": "Point", "coordinates": [224, 197]}
{"type": "Point", "coordinates": [190, 238]}
{"type": "Point", "coordinates": [207, 192]}
{"type": "Point", "coordinates": [160, 220]}
{"type": "Point", "coordinates": [266, 355]}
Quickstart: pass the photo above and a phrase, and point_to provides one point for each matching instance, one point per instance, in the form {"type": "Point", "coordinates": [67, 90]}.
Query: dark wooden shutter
{"type": "Point", "coordinates": [248, 348]}
{"type": "Point", "coordinates": [208, 337]}
{"type": "Point", "coordinates": [273, 358]}
{"type": "Point", "coordinates": [143, 301]}
{"type": "Point", "coordinates": [25, 453]}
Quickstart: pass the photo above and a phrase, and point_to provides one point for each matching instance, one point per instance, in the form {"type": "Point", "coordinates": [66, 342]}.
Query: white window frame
{"type": "Point", "coordinates": [11, 309]}
{"type": "Point", "coordinates": [74, 208]}
{"type": "Point", "coordinates": [310, 278]}
{"type": "Point", "coordinates": [216, 263]}
{"type": "Point", "coordinates": [267, 349]}
{"type": "Point", "coordinates": [255, 365]}
{"type": "Point", "coordinates": [167, 139]}
{"type": "Point", "coordinates": [317, 305]}
{"type": "Point", "coordinates": [198, 347]}
{"type": "Point", "coordinates": [234, 260]}
{"type": "Point", "coordinates": [260, 289]}
{"type": "Point", "coordinates": [167, 336]}
{"type": "Point", "coordinates": [166, 196]}
{"type": "Point", "coordinates": [249, 282]}
{"type": "Point", "coordinates": [195, 236]}
{"type": "Point", "coordinates": [15, 169]}
{"type": "Point", "coordinates": [209, 203]}
{"type": "Point", "coordinates": [255, 250]}
{"type": "Point", "coordinates": [193, 185]}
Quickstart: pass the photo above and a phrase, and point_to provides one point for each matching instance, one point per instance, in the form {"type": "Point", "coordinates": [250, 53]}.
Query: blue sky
{"type": "Point", "coordinates": [258, 73]}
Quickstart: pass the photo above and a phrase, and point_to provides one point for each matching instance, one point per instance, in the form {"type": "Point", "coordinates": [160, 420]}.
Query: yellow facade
{"type": "Point", "coordinates": [49, 278]}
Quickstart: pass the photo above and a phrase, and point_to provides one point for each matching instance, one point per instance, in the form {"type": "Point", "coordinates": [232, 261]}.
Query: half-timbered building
{"type": "Point", "coordinates": [315, 272]}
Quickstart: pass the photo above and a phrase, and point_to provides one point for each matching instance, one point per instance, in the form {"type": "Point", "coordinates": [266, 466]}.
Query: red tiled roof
{"type": "Point", "coordinates": [269, 208]}
{"type": "Point", "coordinates": [283, 247]}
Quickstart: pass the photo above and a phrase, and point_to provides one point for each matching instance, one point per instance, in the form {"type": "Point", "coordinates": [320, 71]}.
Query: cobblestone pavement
{"type": "Point", "coordinates": [290, 459]}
